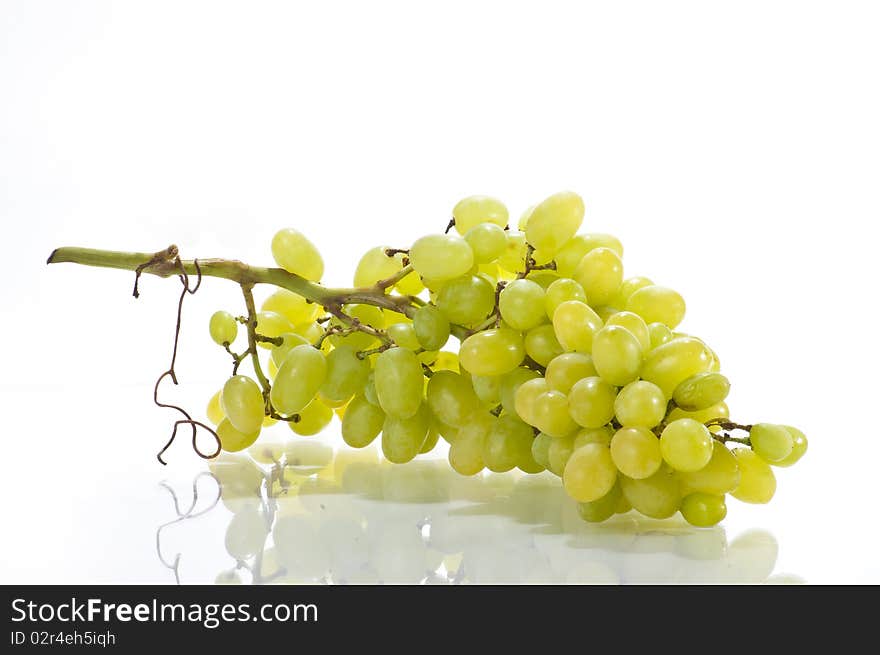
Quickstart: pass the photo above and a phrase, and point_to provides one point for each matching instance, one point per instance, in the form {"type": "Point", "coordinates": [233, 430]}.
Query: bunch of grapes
{"type": "Point", "coordinates": [562, 364]}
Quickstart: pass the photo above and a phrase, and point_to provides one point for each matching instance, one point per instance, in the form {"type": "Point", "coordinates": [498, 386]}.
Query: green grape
{"type": "Point", "coordinates": [270, 324]}
{"type": "Point", "coordinates": [487, 240]}
{"type": "Point", "coordinates": [559, 453]}
{"type": "Point", "coordinates": [720, 476]}
{"type": "Point", "coordinates": [686, 445]}
{"type": "Point", "coordinates": [589, 473]}
{"type": "Point", "coordinates": [529, 465]}
{"type": "Point", "coordinates": [702, 415]}
{"type": "Point", "coordinates": [513, 259]}
{"type": "Point", "coordinates": [605, 312]}
{"type": "Point", "coordinates": [757, 483]}
{"type": "Point", "coordinates": [640, 404]}
{"type": "Point", "coordinates": [541, 449]}
{"type": "Point", "coordinates": [575, 324]}
{"type": "Point", "coordinates": [375, 265]}
{"type": "Point", "coordinates": [466, 300]}
{"type": "Point", "coordinates": [617, 355]}
{"type": "Point", "coordinates": [526, 395]}
{"type": "Point", "coordinates": [669, 365]}
{"type": "Point", "coordinates": [346, 374]}
{"type": "Point", "coordinates": [215, 409]}
{"type": "Point", "coordinates": [367, 315]}
{"type": "Point", "coordinates": [402, 438]}
{"type": "Point", "coordinates": [370, 390]}
{"type": "Point", "coordinates": [451, 398]}
{"type": "Point", "coordinates": [600, 273]}
{"type": "Point", "coordinates": [289, 341]}
{"type": "Point", "coordinates": [521, 304]}
{"type": "Point", "coordinates": [554, 221]}
{"type": "Point", "coordinates": [473, 210]}
{"type": "Point", "coordinates": [411, 284]}
{"type": "Point", "coordinates": [633, 323]}
{"type": "Point", "coordinates": [404, 335]}
{"type": "Point", "coordinates": [399, 382]}
{"type": "Point", "coordinates": [466, 453]}
{"type": "Point", "coordinates": [492, 352]}
{"type": "Point", "coordinates": [541, 344]}
{"type": "Point", "coordinates": [657, 304]}
{"type": "Point", "coordinates": [430, 440]}
{"type": "Point", "coordinates": [561, 290]}
{"type": "Point", "coordinates": [362, 422]}
{"type": "Point", "coordinates": [233, 440]}
{"type": "Point", "coordinates": [591, 402]}
{"type": "Point", "coordinates": [602, 508]}
{"type": "Point", "coordinates": [579, 245]}
{"type": "Point", "coordinates": [298, 380]}
{"type": "Point", "coordinates": [627, 288]}
{"type": "Point", "coordinates": [510, 383]}
{"type": "Point", "coordinates": [446, 361]}
{"type": "Point", "coordinates": [313, 418]}
{"type": "Point", "coordinates": [701, 391]}
{"type": "Point", "coordinates": [658, 496]}
{"type": "Point", "coordinates": [703, 510]}
{"type": "Point", "coordinates": [566, 369]}
{"type": "Point", "coordinates": [660, 334]}
{"type": "Point", "coordinates": [296, 254]}
{"type": "Point", "coordinates": [601, 435]}
{"type": "Point", "coordinates": [524, 218]}
{"type": "Point", "coordinates": [223, 327]}
{"type": "Point", "coordinates": [772, 443]}
{"type": "Point", "coordinates": [242, 401]}
{"type": "Point", "coordinates": [507, 440]}
{"type": "Point", "coordinates": [488, 389]}
{"type": "Point", "coordinates": [636, 452]}
{"type": "Point", "coordinates": [291, 306]}
{"type": "Point", "coordinates": [441, 256]}
{"type": "Point", "coordinates": [310, 331]}
{"type": "Point", "coordinates": [431, 326]}
{"type": "Point", "coordinates": [542, 278]}
{"type": "Point", "coordinates": [551, 416]}
{"type": "Point", "coordinates": [798, 447]}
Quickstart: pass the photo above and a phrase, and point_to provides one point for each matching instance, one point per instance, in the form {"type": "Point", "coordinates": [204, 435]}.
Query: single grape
{"type": "Point", "coordinates": [541, 344]}
{"type": "Point", "coordinates": [669, 365]}
{"type": "Point", "coordinates": [270, 324]}
{"type": "Point", "coordinates": [627, 288]}
{"type": "Point", "coordinates": [589, 473]}
{"type": "Point", "coordinates": [510, 383]}
{"type": "Point", "coordinates": [446, 361]}
{"type": "Point", "coordinates": [591, 402]}
{"type": "Point", "coordinates": [346, 374]}
{"type": "Point", "coordinates": [242, 401]}
{"type": "Point", "coordinates": [701, 415]}
{"type": "Point", "coordinates": [377, 265]}
{"type": "Point", "coordinates": [600, 273]}
{"type": "Point", "coordinates": [214, 410]}
{"type": "Point", "coordinates": [487, 240]}
{"type": "Point", "coordinates": [541, 449]}
{"type": "Point", "coordinates": [289, 341]}
{"type": "Point", "coordinates": [575, 324]}
{"type": "Point", "coordinates": [550, 414]}
{"type": "Point", "coordinates": [402, 438]}
{"type": "Point", "coordinates": [602, 508]}
{"type": "Point", "coordinates": [561, 290]}
{"type": "Point", "coordinates": [657, 304]}
{"type": "Point", "coordinates": [658, 496]}
{"type": "Point", "coordinates": [398, 378]}
{"type": "Point", "coordinates": [313, 418]}
{"type": "Point", "coordinates": [660, 334]}
{"type": "Point", "coordinates": [473, 210]}
{"type": "Point", "coordinates": [579, 245]}
{"type": "Point", "coordinates": [798, 447]}
{"type": "Point", "coordinates": [431, 440]}
{"type": "Point", "coordinates": [701, 391]}
{"type": "Point", "coordinates": [772, 443]}
{"type": "Point", "coordinates": [431, 327]}
{"type": "Point", "coordinates": [617, 355]}
{"type": "Point", "coordinates": [757, 483]}
{"type": "Point", "coordinates": [296, 254]}
{"type": "Point", "coordinates": [362, 422]}
{"type": "Point", "coordinates": [441, 256]}
{"type": "Point", "coordinates": [686, 445]}
{"type": "Point", "coordinates": [703, 510]}
{"type": "Point", "coordinates": [507, 439]}
{"type": "Point", "coordinates": [513, 259]}
{"type": "Point", "coordinates": [466, 453]}
{"type": "Point", "coordinates": [554, 221]}
{"type": "Point", "coordinates": [720, 476]}
{"type": "Point", "coordinates": [223, 327]}
{"type": "Point", "coordinates": [566, 369]}
{"type": "Point", "coordinates": [298, 380]}
{"type": "Point", "coordinates": [492, 352]}
{"type": "Point", "coordinates": [451, 398]}
{"type": "Point", "coordinates": [633, 323]}
{"type": "Point", "coordinates": [466, 300]}
{"type": "Point", "coordinates": [488, 389]}
{"type": "Point", "coordinates": [291, 306]}
{"type": "Point", "coordinates": [404, 335]}
{"type": "Point", "coordinates": [370, 390]}
{"type": "Point", "coordinates": [521, 304]}
{"type": "Point", "coordinates": [233, 440]}
{"type": "Point", "coordinates": [558, 454]}
{"type": "Point", "coordinates": [640, 404]}
{"type": "Point", "coordinates": [525, 397]}
{"type": "Point", "coordinates": [601, 435]}
{"type": "Point", "coordinates": [636, 452]}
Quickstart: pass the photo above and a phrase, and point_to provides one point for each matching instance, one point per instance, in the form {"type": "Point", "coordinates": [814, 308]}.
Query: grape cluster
{"type": "Point", "coordinates": [563, 364]}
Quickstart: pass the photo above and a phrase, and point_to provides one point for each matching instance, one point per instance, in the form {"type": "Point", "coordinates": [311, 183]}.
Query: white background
{"type": "Point", "coordinates": [733, 147]}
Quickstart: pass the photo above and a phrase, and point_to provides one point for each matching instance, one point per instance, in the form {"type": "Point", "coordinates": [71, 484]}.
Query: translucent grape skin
{"type": "Point", "coordinates": [346, 374]}
{"type": "Point", "coordinates": [772, 443]}
{"type": "Point", "coordinates": [466, 453]}
{"type": "Point", "coordinates": [550, 414]}
{"type": "Point", "coordinates": [505, 443]}
{"type": "Point", "coordinates": [617, 355]}
{"type": "Point", "coordinates": [601, 435]}
{"type": "Point", "coordinates": [466, 300]}
{"type": "Point", "coordinates": [313, 418]}
{"type": "Point", "coordinates": [558, 454]}
{"type": "Point", "coordinates": [554, 221]}
{"type": "Point", "coordinates": [567, 368]}
{"type": "Point", "coordinates": [627, 288]}
{"type": "Point", "coordinates": [291, 306]}
{"type": "Point", "coordinates": [701, 391]}
{"type": "Point", "coordinates": [451, 398]}
{"type": "Point", "coordinates": [525, 397]}
{"type": "Point", "coordinates": [271, 324]}
{"type": "Point", "coordinates": [703, 510]}
{"type": "Point", "coordinates": [223, 327]}
{"type": "Point", "coordinates": [686, 445]}
{"type": "Point", "coordinates": [296, 254]}
{"type": "Point", "coordinates": [233, 440]}
{"type": "Point", "coordinates": [541, 344]}
{"type": "Point", "coordinates": [472, 211]}
{"type": "Point", "coordinates": [720, 476]}
{"type": "Point", "coordinates": [602, 508]}
{"type": "Point", "coordinates": [402, 438]}
{"type": "Point", "coordinates": [492, 352]}
{"type": "Point", "coordinates": [488, 389]}
{"type": "Point", "coordinates": [757, 482]}
{"type": "Point", "coordinates": [521, 303]}
{"type": "Point", "coordinates": [398, 376]}
{"type": "Point", "coordinates": [669, 365]}
{"type": "Point", "coordinates": [657, 304]}
{"type": "Point", "coordinates": [559, 291]}
{"type": "Point", "coordinates": [431, 327]}
{"type": "Point", "coordinates": [242, 401]}
{"type": "Point", "coordinates": [579, 245]}
{"type": "Point", "coordinates": [658, 496]}
{"type": "Point", "coordinates": [636, 452]}
{"type": "Point", "coordinates": [362, 422]}
{"type": "Point", "coordinates": [600, 273]}
{"type": "Point", "coordinates": [510, 383]}
{"type": "Point", "coordinates": [589, 473]}
{"type": "Point", "coordinates": [214, 410]}
{"type": "Point", "coordinates": [640, 404]}
{"type": "Point", "coordinates": [575, 324]}
{"type": "Point", "coordinates": [541, 449]}
{"type": "Point", "coordinates": [635, 324]}
{"type": "Point", "coordinates": [487, 240]}
{"type": "Point", "coordinates": [298, 380]}
{"type": "Point", "coordinates": [591, 402]}
{"type": "Point", "coordinates": [441, 256]}
{"type": "Point", "coordinates": [798, 448]}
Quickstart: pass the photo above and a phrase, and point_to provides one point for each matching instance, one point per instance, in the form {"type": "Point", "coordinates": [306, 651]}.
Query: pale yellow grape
{"type": "Point", "coordinates": [559, 453]}
{"type": "Point", "coordinates": [466, 454]}
{"type": "Point", "coordinates": [503, 445]}
{"type": "Point", "coordinates": [313, 418]}
{"type": "Point", "coordinates": [367, 315]}
{"type": "Point", "coordinates": [602, 508]}
{"type": "Point", "coordinates": [720, 476]}
{"type": "Point", "coordinates": [757, 483]}
{"type": "Point", "coordinates": [291, 306]}
{"type": "Point", "coordinates": [541, 344]}
{"type": "Point", "coordinates": [579, 245]}
{"type": "Point", "coordinates": [636, 452]}
{"type": "Point", "coordinates": [635, 324]}
{"type": "Point", "coordinates": [660, 334]}
{"type": "Point", "coordinates": [271, 324]}
{"type": "Point", "coordinates": [223, 327]}
{"type": "Point", "coordinates": [701, 391]}
{"type": "Point", "coordinates": [686, 445]}
{"type": "Point", "coordinates": [521, 304]}
{"type": "Point", "coordinates": [510, 383]}
{"type": "Point", "coordinates": [657, 304]}
{"type": "Point", "coordinates": [566, 369]}
{"type": "Point", "coordinates": [550, 414]}
{"type": "Point", "coordinates": [431, 327]}
{"type": "Point", "coordinates": [772, 443]}
{"type": "Point", "coordinates": [446, 361]}
{"type": "Point", "coordinates": [466, 300]}
{"type": "Point", "coordinates": [669, 365]}
{"type": "Point", "coordinates": [411, 284]}
{"type": "Point", "coordinates": [554, 221]}
{"type": "Point", "coordinates": [798, 448]}
{"type": "Point", "coordinates": [451, 398]}
{"type": "Point", "coordinates": [298, 380]}
{"type": "Point", "coordinates": [658, 496]}
{"type": "Point", "coordinates": [402, 438]}
{"type": "Point", "coordinates": [575, 323]}
{"type": "Point", "coordinates": [541, 449]}
{"type": "Point", "coordinates": [525, 397]}
{"type": "Point", "coordinates": [398, 378]}
{"type": "Point", "coordinates": [441, 256]}
{"type": "Point", "coordinates": [214, 410]}
{"type": "Point", "coordinates": [591, 402]}
{"type": "Point", "coordinates": [375, 265]}
{"type": "Point", "coordinates": [492, 352]}
{"type": "Point", "coordinates": [605, 312]}
{"type": "Point", "coordinates": [430, 440]}
{"type": "Point", "coordinates": [404, 335]}
{"type": "Point", "coordinates": [561, 290]}
{"type": "Point", "coordinates": [600, 273]}
{"type": "Point", "coordinates": [640, 404]}
{"type": "Point", "coordinates": [589, 473]}
{"type": "Point", "coordinates": [601, 436]}
{"type": "Point", "coordinates": [362, 422]}
{"type": "Point", "coordinates": [543, 278]}
{"type": "Point", "coordinates": [233, 440]}
{"type": "Point", "coordinates": [617, 355]}
{"type": "Point", "coordinates": [290, 340]}
{"type": "Point", "coordinates": [702, 415]}
{"type": "Point", "coordinates": [703, 510]}
{"type": "Point", "coordinates": [627, 288]}
{"type": "Point", "coordinates": [524, 218]}
{"type": "Point", "coordinates": [311, 332]}
{"type": "Point", "coordinates": [473, 210]}
{"type": "Point", "coordinates": [488, 389]}
{"type": "Point", "coordinates": [296, 254]}
{"type": "Point", "coordinates": [242, 401]}
{"type": "Point", "coordinates": [346, 375]}
{"type": "Point", "coordinates": [487, 240]}
{"type": "Point", "coordinates": [513, 259]}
